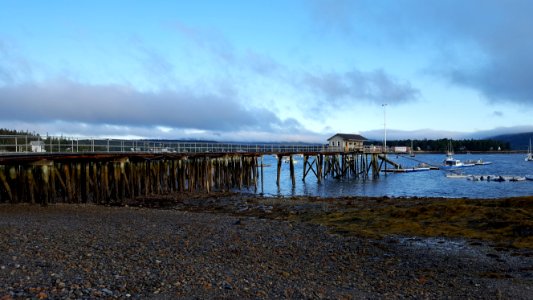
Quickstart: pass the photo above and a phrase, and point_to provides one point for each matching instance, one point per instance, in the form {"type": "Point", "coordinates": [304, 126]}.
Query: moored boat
{"type": "Point", "coordinates": [501, 178]}
{"type": "Point", "coordinates": [288, 160]}
{"type": "Point", "coordinates": [452, 163]}
{"type": "Point", "coordinates": [411, 151]}
{"type": "Point", "coordinates": [406, 170]}
{"type": "Point", "coordinates": [529, 156]}
{"type": "Point", "coordinates": [456, 176]}
{"type": "Point", "coordinates": [478, 162]}
{"type": "Point", "coordinates": [481, 162]}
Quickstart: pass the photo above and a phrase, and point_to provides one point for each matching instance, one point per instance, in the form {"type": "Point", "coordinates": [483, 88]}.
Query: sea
{"type": "Point", "coordinates": [432, 183]}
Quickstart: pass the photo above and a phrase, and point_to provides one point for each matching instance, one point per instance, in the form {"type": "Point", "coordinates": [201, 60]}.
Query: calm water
{"type": "Point", "coordinates": [422, 184]}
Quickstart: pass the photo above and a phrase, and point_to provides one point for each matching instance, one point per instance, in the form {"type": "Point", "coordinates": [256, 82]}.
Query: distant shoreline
{"type": "Point", "coordinates": [468, 152]}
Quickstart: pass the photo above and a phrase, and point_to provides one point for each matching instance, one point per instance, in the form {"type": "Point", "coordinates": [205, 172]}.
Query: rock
{"type": "Point", "coordinates": [227, 286]}
{"type": "Point", "coordinates": [107, 292]}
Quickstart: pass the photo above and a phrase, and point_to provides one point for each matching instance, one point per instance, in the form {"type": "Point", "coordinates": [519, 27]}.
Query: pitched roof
{"type": "Point", "coordinates": [348, 136]}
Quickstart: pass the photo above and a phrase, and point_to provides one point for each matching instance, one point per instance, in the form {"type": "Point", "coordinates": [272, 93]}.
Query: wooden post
{"type": "Point", "coordinates": [5, 183]}
{"type": "Point", "coordinates": [319, 165]}
{"type": "Point", "coordinates": [45, 175]}
{"type": "Point", "coordinates": [279, 168]}
{"type": "Point", "coordinates": [291, 164]}
{"type": "Point", "coordinates": [306, 157]}
{"type": "Point", "coordinates": [30, 184]}
{"type": "Point", "coordinates": [262, 177]}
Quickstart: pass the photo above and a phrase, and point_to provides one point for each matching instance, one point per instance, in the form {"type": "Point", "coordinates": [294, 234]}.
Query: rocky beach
{"type": "Point", "coordinates": [247, 247]}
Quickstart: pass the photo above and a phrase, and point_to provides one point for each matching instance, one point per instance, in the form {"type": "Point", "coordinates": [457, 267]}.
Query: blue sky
{"type": "Point", "coordinates": [266, 70]}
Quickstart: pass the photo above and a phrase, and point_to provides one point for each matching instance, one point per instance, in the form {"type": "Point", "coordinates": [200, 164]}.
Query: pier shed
{"type": "Point", "coordinates": [346, 142]}
{"type": "Point", "coordinates": [37, 146]}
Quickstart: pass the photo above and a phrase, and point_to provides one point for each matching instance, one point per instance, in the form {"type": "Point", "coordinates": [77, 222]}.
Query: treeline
{"type": "Point", "coordinates": [4, 131]}
{"type": "Point", "coordinates": [442, 145]}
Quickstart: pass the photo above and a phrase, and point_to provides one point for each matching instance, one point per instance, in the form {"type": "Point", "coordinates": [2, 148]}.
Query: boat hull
{"type": "Point", "coordinates": [407, 170]}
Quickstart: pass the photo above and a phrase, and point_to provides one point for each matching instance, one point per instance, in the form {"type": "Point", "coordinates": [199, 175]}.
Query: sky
{"type": "Point", "coordinates": [258, 70]}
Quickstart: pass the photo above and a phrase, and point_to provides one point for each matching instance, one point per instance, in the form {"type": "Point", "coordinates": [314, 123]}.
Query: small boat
{"type": "Point", "coordinates": [529, 156]}
{"type": "Point", "coordinates": [407, 170]}
{"type": "Point", "coordinates": [456, 176]}
{"type": "Point", "coordinates": [500, 178]}
{"type": "Point", "coordinates": [288, 160]}
{"type": "Point", "coordinates": [529, 177]}
{"type": "Point", "coordinates": [517, 178]}
{"type": "Point", "coordinates": [478, 162]}
{"type": "Point", "coordinates": [411, 152]}
{"type": "Point", "coordinates": [481, 162]}
{"type": "Point", "coordinates": [452, 163]}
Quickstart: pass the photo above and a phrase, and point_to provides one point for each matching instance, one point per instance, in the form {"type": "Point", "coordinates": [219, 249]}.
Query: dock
{"type": "Point", "coordinates": [113, 171]}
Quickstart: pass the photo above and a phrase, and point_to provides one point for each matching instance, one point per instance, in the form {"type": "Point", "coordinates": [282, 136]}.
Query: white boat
{"type": "Point", "coordinates": [529, 156]}
{"type": "Point", "coordinates": [411, 152]}
{"type": "Point", "coordinates": [456, 176]}
{"type": "Point", "coordinates": [478, 162]}
{"type": "Point", "coordinates": [452, 163]}
{"type": "Point", "coordinates": [481, 162]}
{"type": "Point", "coordinates": [516, 178]}
{"type": "Point", "coordinates": [495, 178]}
{"type": "Point", "coordinates": [288, 160]}
{"type": "Point", "coordinates": [407, 170]}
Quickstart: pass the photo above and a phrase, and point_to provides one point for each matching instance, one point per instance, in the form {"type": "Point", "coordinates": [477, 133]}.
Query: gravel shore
{"type": "Point", "coordinates": [88, 252]}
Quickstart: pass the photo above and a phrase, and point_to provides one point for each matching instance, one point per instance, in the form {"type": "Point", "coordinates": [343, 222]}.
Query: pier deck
{"type": "Point", "coordinates": [101, 171]}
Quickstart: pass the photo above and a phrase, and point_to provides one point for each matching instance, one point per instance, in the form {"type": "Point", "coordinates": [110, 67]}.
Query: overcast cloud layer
{"type": "Point", "coordinates": [296, 71]}
{"type": "Point", "coordinates": [485, 45]}
{"type": "Point", "coordinates": [117, 105]}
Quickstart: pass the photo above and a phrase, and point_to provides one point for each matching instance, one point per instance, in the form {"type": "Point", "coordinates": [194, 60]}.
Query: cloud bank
{"type": "Point", "coordinates": [69, 101]}
{"type": "Point", "coordinates": [484, 45]}
{"type": "Point", "coordinates": [374, 87]}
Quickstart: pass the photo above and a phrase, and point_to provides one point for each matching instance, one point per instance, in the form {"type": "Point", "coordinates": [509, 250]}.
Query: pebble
{"type": "Point", "coordinates": [88, 251]}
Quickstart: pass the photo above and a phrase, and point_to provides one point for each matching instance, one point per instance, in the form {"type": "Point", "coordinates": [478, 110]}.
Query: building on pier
{"type": "Point", "coordinates": [37, 146]}
{"type": "Point", "coordinates": [345, 142]}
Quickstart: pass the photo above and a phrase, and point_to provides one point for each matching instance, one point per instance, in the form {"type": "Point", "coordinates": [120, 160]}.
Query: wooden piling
{"type": "Point", "coordinates": [280, 158]}
{"type": "Point", "coordinates": [113, 179]}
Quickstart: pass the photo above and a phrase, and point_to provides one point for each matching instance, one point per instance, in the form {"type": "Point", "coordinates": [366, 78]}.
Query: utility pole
{"type": "Point", "coordinates": [384, 128]}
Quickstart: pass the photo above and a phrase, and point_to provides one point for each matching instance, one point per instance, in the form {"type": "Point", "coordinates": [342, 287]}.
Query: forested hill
{"type": "Point", "coordinates": [518, 141]}
{"type": "Point", "coordinates": [4, 131]}
{"type": "Point", "coordinates": [441, 145]}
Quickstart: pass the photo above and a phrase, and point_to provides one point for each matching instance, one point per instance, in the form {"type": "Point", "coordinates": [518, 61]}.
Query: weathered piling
{"type": "Point", "coordinates": [114, 178]}
{"type": "Point", "coordinates": [108, 179]}
{"type": "Point", "coordinates": [291, 166]}
{"type": "Point", "coordinates": [278, 174]}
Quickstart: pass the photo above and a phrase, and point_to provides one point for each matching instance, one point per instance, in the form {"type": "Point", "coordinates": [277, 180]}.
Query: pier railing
{"type": "Point", "coordinates": [32, 144]}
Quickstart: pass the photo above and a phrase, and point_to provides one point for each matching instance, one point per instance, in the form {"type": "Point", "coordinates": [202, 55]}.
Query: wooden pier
{"type": "Point", "coordinates": [114, 177]}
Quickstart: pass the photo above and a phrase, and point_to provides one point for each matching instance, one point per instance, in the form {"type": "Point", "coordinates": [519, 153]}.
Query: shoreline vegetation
{"type": "Point", "coordinates": [234, 245]}
{"type": "Point", "coordinates": [486, 145]}
{"type": "Point", "coordinates": [504, 221]}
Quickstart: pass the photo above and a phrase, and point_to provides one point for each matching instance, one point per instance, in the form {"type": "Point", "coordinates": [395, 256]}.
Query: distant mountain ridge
{"type": "Point", "coordinates": [518, 141]}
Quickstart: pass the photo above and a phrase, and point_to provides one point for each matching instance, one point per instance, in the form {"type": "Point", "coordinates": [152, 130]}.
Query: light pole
{"type": "Point", "coordinates": [384, 127]}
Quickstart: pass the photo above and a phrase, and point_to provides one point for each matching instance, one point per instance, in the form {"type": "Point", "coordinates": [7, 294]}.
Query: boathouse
{"type": "Point", "coordinates": [346, 142]}
{"type": "Point", "coordinates": [37, 146]}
